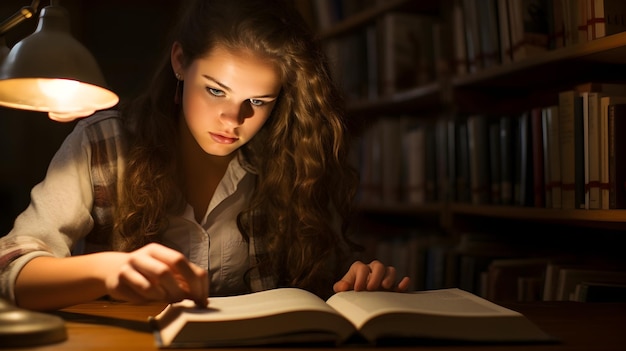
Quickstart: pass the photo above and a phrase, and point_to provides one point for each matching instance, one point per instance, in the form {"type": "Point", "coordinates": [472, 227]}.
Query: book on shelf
{"type": "Point", "coordinates": [372, 60]}
{"type": "Point", "coordinates": [507, 148]}
{"type": "Point", "coordinates": [605, 17]}
{"type": "Point", "coordinates": [407, 51]}
{"type": "Point", "coordinates": [414, 146]}
{"type": "Point", "coordinates": [575, 21]}
{"type": "Point", "coordinates": [529, 27]}
{"type": "Point", "coordinates": [460, 64]}
{"type": "Point", "coordinates": [462, 167]}
{"type": "Point", "coordinates": [569, 278]}
{"type": "Point", "coordinates": [439, 269]}
{"type": "Point", "coordinates": [599, 96]}
{"type": "Point", "coordinates": [441, 160]}
{"type": "Point", "coordinates": [570, 132]}
{"type": "Point", "coordinates": [487, 14]}
{"type": "Point", "coordinates": [614, 14]}
{"type": "Point", "coordinates": [504, 32]}
{"type": "Point", "coordinates": [451, 158]}
{"type": "Point", "coordinates": [477, 141]}
{"type": "Point", "coordinates": [579, 150]}
{"type": "Point", "coordinates": [599, 292]}
{"type": "Point", "coordinates": [471, 31]}
{"type": "Point", "coordinates": [605, 101]}
{"type": "Point", "coordinates": [552, 143]}
{"type": "Point", "coordinates": [431, 163]}
{"type": "Point", "coordinates": [523, 162]}
{"type": "Point", "coordinates": [594, 157]}
{"type": "Point", "coordinates": [556, 24]}
{"type": "Point", "coordinates": [582, 152]}
{"type": "Point", "coordinates": [470, 256]}
{"type": "Point", "coordinates": [538, 181]}
{"type": "Point", "coordinates": [391, 159]}
{"type": "Point", "coordinates": [370, 164]}
{"type": "Point", "coordinates": [551, 279]}
{"type": "Point", "coordinates": [350, 68]}
{"type": "Point", "coordinates": [617, 156]}
{"type": "Point", "coordinates": [508, 279]}
{"type": "Point", "coordinates": [564, 273]}
{"type": "Point", "coordinates": [292, 316]}
{"type": "Point", "coordinates": [410, 261]}
{"type": "Point", "coordinates": [596, 22]}
{"type": "Point", "coordinates": [495, 181]}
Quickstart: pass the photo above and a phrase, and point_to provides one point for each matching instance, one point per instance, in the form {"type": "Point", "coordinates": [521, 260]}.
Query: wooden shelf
{"type": "Point", "coordinates": [557, 67]}
{"type": "Point", "coordinates": [613, 219]}
{"type": "Point", "coordinates": [539, 214]}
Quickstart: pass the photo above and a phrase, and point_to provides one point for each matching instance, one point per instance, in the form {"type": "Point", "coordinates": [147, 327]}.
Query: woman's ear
{"type": "Point", "coordinates": [177, 58]}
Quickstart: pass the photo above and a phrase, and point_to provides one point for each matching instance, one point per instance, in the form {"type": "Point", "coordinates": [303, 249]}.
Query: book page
{"type": "Point", "coordinates": [257, 318]}
{"type": "Point", "coordinates": [361, 306]}
{"type": "Point", "coordinates": [260, 304]}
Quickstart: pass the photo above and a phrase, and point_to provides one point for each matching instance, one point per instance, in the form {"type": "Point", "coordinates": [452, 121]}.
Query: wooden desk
{"type": "Point", "coordinates": [580, 326]}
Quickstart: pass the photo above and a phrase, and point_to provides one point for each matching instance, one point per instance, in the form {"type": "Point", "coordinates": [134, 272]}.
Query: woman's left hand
{"type": "Point", "coordinates": [372, 276]}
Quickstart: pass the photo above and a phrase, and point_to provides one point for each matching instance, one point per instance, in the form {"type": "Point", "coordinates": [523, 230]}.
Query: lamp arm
{"type": "Point", "coordinates": [17, 18]}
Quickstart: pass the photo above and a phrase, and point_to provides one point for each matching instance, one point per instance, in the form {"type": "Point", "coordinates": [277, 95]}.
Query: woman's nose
{"type": "Point", "coordinates": [235, 114]}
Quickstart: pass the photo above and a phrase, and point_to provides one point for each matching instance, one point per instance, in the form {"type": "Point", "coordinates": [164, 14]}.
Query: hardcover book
{"type": "Point", "coordinates": [292, 316]}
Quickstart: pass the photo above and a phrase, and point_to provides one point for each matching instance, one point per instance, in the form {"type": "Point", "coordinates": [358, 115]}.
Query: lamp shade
{"type": "Point", "coordinates": [50, 71]}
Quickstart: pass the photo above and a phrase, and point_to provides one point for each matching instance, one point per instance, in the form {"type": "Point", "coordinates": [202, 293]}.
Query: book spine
{"type": "Point", "coordinates": [617, 156]}
{"type": "Point", "coordinates": [537, 157]}
{"type": "Point", "coordinates": [568, 153]}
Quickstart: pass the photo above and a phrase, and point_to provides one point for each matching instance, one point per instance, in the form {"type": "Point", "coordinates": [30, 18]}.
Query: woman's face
{"type": "Point", "coordinates": [227, 97]}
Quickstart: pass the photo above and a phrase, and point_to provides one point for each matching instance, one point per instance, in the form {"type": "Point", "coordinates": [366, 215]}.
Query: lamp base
{"type": "Point", "coordinates": [20, 327]}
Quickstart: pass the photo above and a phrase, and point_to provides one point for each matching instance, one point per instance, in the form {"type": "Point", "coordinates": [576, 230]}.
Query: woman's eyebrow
{"type": "Point", "coordinates": [228, 89]}
{"type": "Point", "coordinates": [225, 87]}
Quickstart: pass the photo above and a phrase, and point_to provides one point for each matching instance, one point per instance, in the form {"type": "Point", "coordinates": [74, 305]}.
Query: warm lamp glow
{"type": "Point", "coordinates": [58, 89]}
{"type": "Point", "coordinates": [50, 71]}
{"type": "Point", "coordinates": [59, 97]}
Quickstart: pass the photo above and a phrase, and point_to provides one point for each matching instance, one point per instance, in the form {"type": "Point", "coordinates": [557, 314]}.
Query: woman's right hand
{"type": "Point", "coordinates": [157, 273]}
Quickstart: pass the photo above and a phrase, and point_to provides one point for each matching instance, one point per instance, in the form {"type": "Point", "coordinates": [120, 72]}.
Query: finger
{"type": "Point", "coordinates": [203, 285]}
{"type": "Point", "coordinates": [341, 285]}
{"type": "Point", "coordinates": [192, 281]}
{"type": "Point", "coordinates": [389, 279]}
{"type": "Point", "coordinates": [403, 285]}
{"type": "Point", "coordinates": [355, 278]}
{"type": "Point", "coordinates": [161, 277]}
{"type": "Point", "coordinates": [376, 276]}
{"type": "Point", "coordinates": [127, 294]}
{"type": "Point", "coordinates": [362, 273]}
{"type": "Point", "coordinates": [136, 287]}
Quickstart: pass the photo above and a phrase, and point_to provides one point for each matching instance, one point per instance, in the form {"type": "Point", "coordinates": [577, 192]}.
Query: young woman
{"type": "Point", "coordinates": [229, 175]}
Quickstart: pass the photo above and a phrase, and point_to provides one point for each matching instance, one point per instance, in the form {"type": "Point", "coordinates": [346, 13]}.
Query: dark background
{"type": "Point", "coordinates": [126, 37]}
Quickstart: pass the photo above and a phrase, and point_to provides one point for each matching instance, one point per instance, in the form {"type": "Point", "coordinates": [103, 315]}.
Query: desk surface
{"type": "Point", "coordinates": [106, 325]}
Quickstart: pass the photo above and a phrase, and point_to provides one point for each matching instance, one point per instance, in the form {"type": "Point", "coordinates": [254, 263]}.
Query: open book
{"type": "Point", "coordinates": [291, 315]}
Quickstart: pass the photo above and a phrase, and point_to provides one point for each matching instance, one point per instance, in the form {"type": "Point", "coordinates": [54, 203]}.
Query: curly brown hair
{"type": "Point", "coordinates": [304, 183]}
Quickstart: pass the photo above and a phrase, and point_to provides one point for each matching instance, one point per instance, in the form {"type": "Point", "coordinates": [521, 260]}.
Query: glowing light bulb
{"type": "Point", "coordinates": [59, 90]}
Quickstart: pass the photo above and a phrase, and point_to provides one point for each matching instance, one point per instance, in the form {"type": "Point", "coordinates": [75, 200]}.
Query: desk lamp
{"type": "Point", "coordinates": [48, 71]}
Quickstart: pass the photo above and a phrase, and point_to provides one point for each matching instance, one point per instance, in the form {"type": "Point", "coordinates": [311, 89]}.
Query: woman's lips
{"type": "Point", "coordinates": [218, 138]}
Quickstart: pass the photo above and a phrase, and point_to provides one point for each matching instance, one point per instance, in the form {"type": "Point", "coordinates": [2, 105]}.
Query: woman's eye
{"type": "Point", "coordinates": [256, 102]}
{"type": "Point", "coordinates": [215, 92]}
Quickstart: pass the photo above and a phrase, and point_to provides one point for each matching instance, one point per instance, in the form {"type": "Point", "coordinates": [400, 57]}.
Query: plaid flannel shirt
{"type": "Point", "coordinates": [106, 167]}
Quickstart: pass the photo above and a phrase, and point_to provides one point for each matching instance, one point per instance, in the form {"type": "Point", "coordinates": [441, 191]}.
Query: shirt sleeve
{"type": "Point", "coordinates": [58, 216]}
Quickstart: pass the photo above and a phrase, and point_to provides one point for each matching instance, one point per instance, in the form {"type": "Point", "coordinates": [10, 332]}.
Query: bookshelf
{"type": "Point", "coordinates": [511, 87]}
